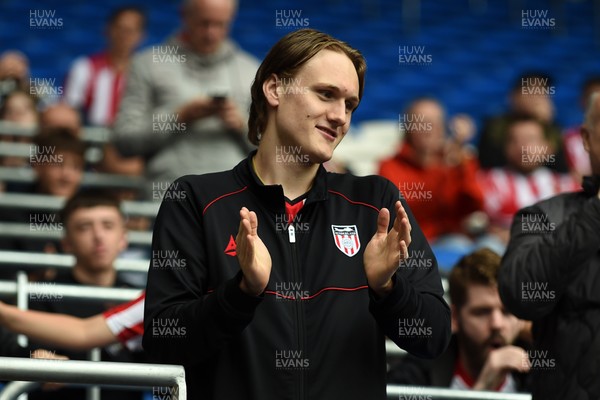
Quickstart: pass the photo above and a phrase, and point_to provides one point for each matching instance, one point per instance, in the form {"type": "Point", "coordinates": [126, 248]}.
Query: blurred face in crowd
{"type": "Point", "coordinates": [526, 146]}
{"type": "Point", "coordinates": [207, 23]}
{"type": "Point", "coordinates": [62, 178]}
{"type": "Point", "coordinates": [95, 236]}
{"type": "Point", "coordinates": [591, 134]}
{"type": "Point", "coordinates": [14, 65]}
{"type": "Point", "coordinates": [313, 109]}
{"type": "Point", "coordinates": [425, 125]}
{"type": "Point", "coordinates": [126, 32]}
{"type": "Point", "coordinates": [20, 109]}
{"type": "Point", "coordinates": [482, 324]}
{"type": "Point", "coordinates": [61, 116]}
{"type": "Point", "coordinates": [537, 105]}
{"type": "Point", "coordinates": [587, 94]}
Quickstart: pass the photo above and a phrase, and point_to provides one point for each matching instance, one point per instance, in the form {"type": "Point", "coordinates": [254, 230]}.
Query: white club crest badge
{"type": "Point", "coordinates": [346, 239]}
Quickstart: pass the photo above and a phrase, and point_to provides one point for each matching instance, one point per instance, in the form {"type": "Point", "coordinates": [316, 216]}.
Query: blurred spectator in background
{"type": "Point", "coordinates": [577, 159]}
{"type": "Point", "coordinates": [95, 83]}
{"type": "Point", "coordinates": [482, 354]}
{"type": "Point", "coordinates": [124, 323]}
{"type": "Point", "coordinates": [61, 115]}
{"type": "Point", "coordinates": [18, 108]}
{"type": "Point", "coordinates": [550, 274]}
{"type": "Point", "coordinates": [185, 103]}
{"type": "Point", "coordinates": [57, 160]}
{"type": "Point", "coordinates": [436, 173]}
{"type": "Point", "coordinates": [94, 232]}
{"type": "Point", "coordinates": [531, 95]}
{"type": "Point", "coordinates": [14, 73]}
{"type": "Point", "coordinates": [526, 178]}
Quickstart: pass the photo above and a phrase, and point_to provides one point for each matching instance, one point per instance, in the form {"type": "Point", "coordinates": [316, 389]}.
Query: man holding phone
{"type": "Point", "coordinates": [184, 106]}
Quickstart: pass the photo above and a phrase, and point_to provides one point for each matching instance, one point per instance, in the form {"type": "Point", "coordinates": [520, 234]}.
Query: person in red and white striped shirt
{"type": "Point", "coordinates": [123, 323]}
{"type": "Point", "coordinates": [95, 83]}
{"type": "Point", "coordinates": [526, 179]}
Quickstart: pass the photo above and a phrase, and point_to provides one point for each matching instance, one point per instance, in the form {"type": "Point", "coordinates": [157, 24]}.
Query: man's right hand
{"type": "Point", "coordinates": [196, 109]}
{"type": "Point", "coordinates": [498, 364]}
{"type": "Point", "coordinates": [252, 254]}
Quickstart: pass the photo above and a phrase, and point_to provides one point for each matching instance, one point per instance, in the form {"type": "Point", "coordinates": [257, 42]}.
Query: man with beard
{"type": "Point", "coordinates": [481, 354]}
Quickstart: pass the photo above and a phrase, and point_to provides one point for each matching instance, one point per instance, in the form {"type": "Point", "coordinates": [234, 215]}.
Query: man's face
{"type": "Point", "coordinates": [14, 65]}
{"type": "Point", "coordinates": [483, 324]}
{"type": "Point", "coordinates": [427, 119]}
{"type": "Point", "coordinates": [20, 109]}
{"type": "Point", "coordinates": [95, 236]}
{"type": "Point", "coordinates": [591, 138]}
{"type": "Point", "coordinates": [126, 32]}
{"type": "Point", "coordinates": [526, 146]}
{"type": "Point", "coordinates": [61, 179]}
{"type": "Point", "coordinates": [313, 109]}
{"type": "Point", "coordinates": [207, 23]}
{"type": "Point", "coordinates": [61, 116]}
{"type": "Point", "coordinates": [528, 101]}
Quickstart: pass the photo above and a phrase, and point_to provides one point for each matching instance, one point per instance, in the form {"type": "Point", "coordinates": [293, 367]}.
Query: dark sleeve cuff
{"type": "Point", "coordinates": [235, 301]}
{"type": "Point", "coordinates": [393, 300]}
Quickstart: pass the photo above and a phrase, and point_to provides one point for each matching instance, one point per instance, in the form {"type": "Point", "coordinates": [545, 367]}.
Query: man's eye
{"type": "Point", "coordinates": [327, 94]}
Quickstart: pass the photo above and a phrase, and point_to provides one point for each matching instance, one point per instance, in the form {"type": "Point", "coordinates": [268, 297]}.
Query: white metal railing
{"type": "Point", "coordinates": [24, 230]}
{"type": "Point", "coordinates": [12, 390]}
{"type": "Point", "coordinates": [31, 261]}
{"type": "Point", "coordinates": [434, 393]}
{"type": "Point", "coordinates": [49, 290]}
{"type": "Point", "coordinates": [96, 373]}
{"type": "Point", "coordinates": [96, 179]}
{"type": "Point", "coordinates": [24, 290]}
{"type": "Point", "coordinates": [89, 133]}
{"type": "Point", "coordinates": [23, 150]}
{"type": "Point", "coordinates": [55, 203]}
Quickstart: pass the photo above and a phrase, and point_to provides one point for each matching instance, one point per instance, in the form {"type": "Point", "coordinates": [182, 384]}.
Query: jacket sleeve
{"type": "Point", "coordinates": [133, 132]}
{"type": "Point", "coordinates": [409, 370]}
{"type": "Point", "coordinates": [542, 256]}
{"type": "Point", "coordinates": [183, 322]}
{"type": "Point", "coordinates": [414, 315]}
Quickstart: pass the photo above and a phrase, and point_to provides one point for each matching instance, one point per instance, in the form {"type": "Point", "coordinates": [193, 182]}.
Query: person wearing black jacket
{"type": "Point", "coordinates": [278, 279]}
{"type": "Point", "coordinates": [550, 274]}
{"type": "Point", "coordinates": [488, 348]}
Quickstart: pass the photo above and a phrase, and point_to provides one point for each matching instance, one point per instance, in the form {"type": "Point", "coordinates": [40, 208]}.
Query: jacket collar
{"type": "Point", "coordinates": [272, 195]}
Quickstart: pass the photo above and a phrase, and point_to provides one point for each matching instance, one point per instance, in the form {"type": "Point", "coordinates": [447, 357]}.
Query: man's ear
{"type": "Point", "coordinates": [124, 242]}
{"type": "Point", "coordinates": [585, 135]}
{"type": "Point", "coordinates": [66, 244]}
{"type": "Point", "coordinates": [270, 86]}
{"type": "Point", "coordinates": [453, 318]}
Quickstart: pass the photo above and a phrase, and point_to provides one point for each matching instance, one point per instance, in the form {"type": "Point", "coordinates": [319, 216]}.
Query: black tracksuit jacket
{"type": "Point", "coordinates": [550, 274]}
{"type": "Point", "coordinates": [318, 331]}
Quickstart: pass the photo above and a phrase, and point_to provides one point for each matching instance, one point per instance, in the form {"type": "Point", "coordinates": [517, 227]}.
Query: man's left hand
{"type": "Point", "coordinates": [386, 249]}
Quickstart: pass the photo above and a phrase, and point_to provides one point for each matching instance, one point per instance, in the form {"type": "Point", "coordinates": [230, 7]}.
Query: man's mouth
{"type": "Point", "coordinates": [496, 343]}
{"type": "Point", "coordinates": [328, 132]}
